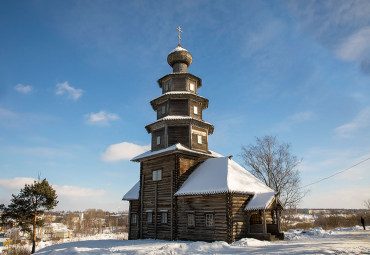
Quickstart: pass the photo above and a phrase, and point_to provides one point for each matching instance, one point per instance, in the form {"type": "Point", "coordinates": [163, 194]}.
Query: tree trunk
{"type": "Point", "coordinates": [34, 233]}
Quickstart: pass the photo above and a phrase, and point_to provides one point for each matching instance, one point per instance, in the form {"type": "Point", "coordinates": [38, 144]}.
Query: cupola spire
{"type": "Point", "coordinates": [179, 36]}
{"type": "Point", "coordinates": [179, 58]}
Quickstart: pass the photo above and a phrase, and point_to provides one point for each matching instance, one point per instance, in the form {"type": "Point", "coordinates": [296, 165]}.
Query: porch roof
{"type": "Point", "coordinates": [260, 201]}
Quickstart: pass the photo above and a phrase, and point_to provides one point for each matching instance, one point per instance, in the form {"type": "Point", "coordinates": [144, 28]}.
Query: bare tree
{"type": "Point", "coordinates": [272, 163]}
{"type": "Point", "coordinates": [367, 203]}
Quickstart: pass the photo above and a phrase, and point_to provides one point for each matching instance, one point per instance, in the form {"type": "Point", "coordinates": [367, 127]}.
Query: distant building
{"type": "Point", "coordinates": [307, 211]}
{"type": "Point", "coordinates": [186, 191]}
{"type": "Point", "coordinates": [63, 233]}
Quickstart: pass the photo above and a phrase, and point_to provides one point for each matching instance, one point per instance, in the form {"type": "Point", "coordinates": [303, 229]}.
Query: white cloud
{"type": "Point", "coordinates": [361, 121]}
{"type": "Point", "coordinates": [71, 92]}
{"type": "Point", "coordinates": [16, 183]}
{"type": "Point", "coordinates": [123, 151]}
{"type": "Point", "coordinates": [76, 191]}
{"type": "Point", "coordinates": [296, 118]}
{"type": "Point", "coordinates": [62, 190]}
{"type": "Point", "coordinates": [341, 25]}
{"type": "Point", "coordinates": [101, 118]}
{"type": "Point", "coordinates": [356, 46]}
{"type": "Point", "coordinates": [25, 89]}
{"type": "Point", "coordinates": [4, 113]}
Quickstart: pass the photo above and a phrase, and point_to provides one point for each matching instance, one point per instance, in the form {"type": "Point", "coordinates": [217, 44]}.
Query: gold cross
{"type": "Point", "coordinates": [180, 31]}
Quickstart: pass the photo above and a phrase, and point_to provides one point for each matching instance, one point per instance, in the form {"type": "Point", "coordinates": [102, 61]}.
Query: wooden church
{"type": "Point", "coordinates": [186, 191]}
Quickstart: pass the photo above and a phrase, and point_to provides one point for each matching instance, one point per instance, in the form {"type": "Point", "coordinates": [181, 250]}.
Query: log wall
{"type": "Point", "coordinates": [178, 134]}
{"type": "Point", "coordinates": [159, 132]}
{"type": "Point", "coordinates": [239, 216]}
{"type": "Point", "coordinates": [200, 206]}
{"type": "Point", "coordinates": [193, 103]}
{"type": "Point", "coordinates": [179, 107]}
{"type": "Point", "coordinates": [194, 139]}
{"type": "Point", "coordinates": [134, 228]}
{"type": "Point", "coordinates": [157, 197]}
{"type": "Point", "coordinates": [178, 84]}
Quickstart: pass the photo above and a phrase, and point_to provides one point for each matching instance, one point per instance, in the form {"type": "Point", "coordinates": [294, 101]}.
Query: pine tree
{"type": "Point", "coordinates": [27, 207]}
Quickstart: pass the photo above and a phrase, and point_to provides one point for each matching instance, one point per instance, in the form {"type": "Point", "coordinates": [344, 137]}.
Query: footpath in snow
{"type": "Point", "coordinates": [352, 240]}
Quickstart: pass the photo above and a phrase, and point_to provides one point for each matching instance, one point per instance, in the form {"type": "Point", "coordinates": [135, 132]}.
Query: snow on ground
{"type": "Point", "coordinates": [314, 241]}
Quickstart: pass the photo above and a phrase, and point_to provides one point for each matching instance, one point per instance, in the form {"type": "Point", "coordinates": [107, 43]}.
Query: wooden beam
{"type": "Point", "coordinates": [264, 221]}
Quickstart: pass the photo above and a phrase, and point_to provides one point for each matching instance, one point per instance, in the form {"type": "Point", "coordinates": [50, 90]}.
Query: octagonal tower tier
{"type": "Point", "coordinates": [179, 108]}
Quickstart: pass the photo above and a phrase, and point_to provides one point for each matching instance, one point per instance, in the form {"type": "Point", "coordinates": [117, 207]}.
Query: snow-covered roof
{"type": "Point", "coordinates": [174, 147]}
{"type": "Point", "coordinates": [179, 93]}
{"type": "Point", "coordinates": [203, 123]}
{"type": "Point", "coordinates": [178, 48]}
{"type": "Point", "coordinates": [178, 117]}
{"type": "Point", "coordinates": [260, 201]}
{"type": "Point", "coordinates": [133, 193]}
{"type": "Point", "coordinates": [220, 175]}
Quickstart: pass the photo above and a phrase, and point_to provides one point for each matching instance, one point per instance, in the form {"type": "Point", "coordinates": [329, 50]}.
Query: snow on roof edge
{"type": "Point", "coordinates": [174, 147]}
{"type": "Point", "coordinates": [133, 193]}
{"type": "Point", "coordinates": [178, 48]}
{"type": "Point", "coordinates": [178, 117]}
{"type": "Point", "coordinates": [178, 93]}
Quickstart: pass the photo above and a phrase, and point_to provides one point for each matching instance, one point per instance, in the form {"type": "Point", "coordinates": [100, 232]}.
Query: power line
{"type": "Point", "coordinates": [335, 173]}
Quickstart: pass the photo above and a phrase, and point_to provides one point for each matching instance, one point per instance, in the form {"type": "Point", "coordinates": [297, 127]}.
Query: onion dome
{"type": "Point", "coordinates": [179, 59]}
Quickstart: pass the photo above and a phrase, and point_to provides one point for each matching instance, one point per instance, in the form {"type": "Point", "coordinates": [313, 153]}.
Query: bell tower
{"type": "Point", "coordinates": [179, 108]}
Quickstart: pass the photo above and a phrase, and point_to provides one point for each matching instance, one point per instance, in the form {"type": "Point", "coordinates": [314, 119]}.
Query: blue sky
{"type": "Point", "coordinates": [76, 78]}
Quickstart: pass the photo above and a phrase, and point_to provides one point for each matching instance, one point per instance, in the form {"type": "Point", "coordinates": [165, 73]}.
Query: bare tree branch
{"type": "Point", "coordinates": [273, 163]}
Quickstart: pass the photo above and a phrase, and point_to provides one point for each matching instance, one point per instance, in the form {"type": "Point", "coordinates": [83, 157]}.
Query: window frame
{"type": "Point", "coordinates": [151, 217]}
{"type": "Point", "coordinates": [164, 220]}
{"type": "Point", "coordinates": [213, 220]}
{"type": "Point", "coordinates": [200, 139]}
{"type": "Point", "coordinates": [133, 219]}
{"type": "Point", "coordinates": [192, 217]}
{"type": "Point", "coordinates": [155, 176]}
{"type": "Point", "coordinates": [191, 86]}
{"type": "Point", "coordinates": [195, 109]}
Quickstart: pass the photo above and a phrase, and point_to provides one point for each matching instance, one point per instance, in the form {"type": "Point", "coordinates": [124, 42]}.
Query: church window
{"type": "Point", "coordinates": [157, 175]}
{"type": "Point", "coordinates": [191, 86]}
{"type": "Point", "coordinates": [149, 217]}
{"type": "Point", "coordinates": [199, 139]}
{"type": "Point", "coordinates": [133, 218]}
{"type": "Point", "coordinates": [164, 218]}
{"type": "Point", "coordinates": [158, 140]}
{"type": "Point", "coordinates": [210, 222]}
{"type": "Point", "coordinates": [163, 109]}
{"type": "Point", "coordinates": [195, 110]}
{"type": "Point", "coordinates": [191, 220]}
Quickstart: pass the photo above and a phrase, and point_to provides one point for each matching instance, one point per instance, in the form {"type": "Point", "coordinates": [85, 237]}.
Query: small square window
{"type": "Point", "coordinates": [164, 218]}
{"type": "Point", "coordinates": [210, 222]}
{"type": "Point", "coordinates": [157, 175]}
{"type": "Point", "coordinates": [199, 139]}
{"type": "Point", "coordinates": [158, 140]}
{"type": "Point", "coordinates": [163, 109]}
{"type": "Point", "coordinates": [149, 217]}
{"type": "Point", "coordinates": [191, 86]}
{"type": "Point", "coordinates": [191, 220]}
{"type": "Point", "coordinates": [133, 218]}
{"type": "Point", "coordinates": [195, 109]}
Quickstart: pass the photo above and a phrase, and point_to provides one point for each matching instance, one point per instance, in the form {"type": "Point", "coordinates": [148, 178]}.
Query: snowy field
{"type": "Point", "coordinates": [352, 240]}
